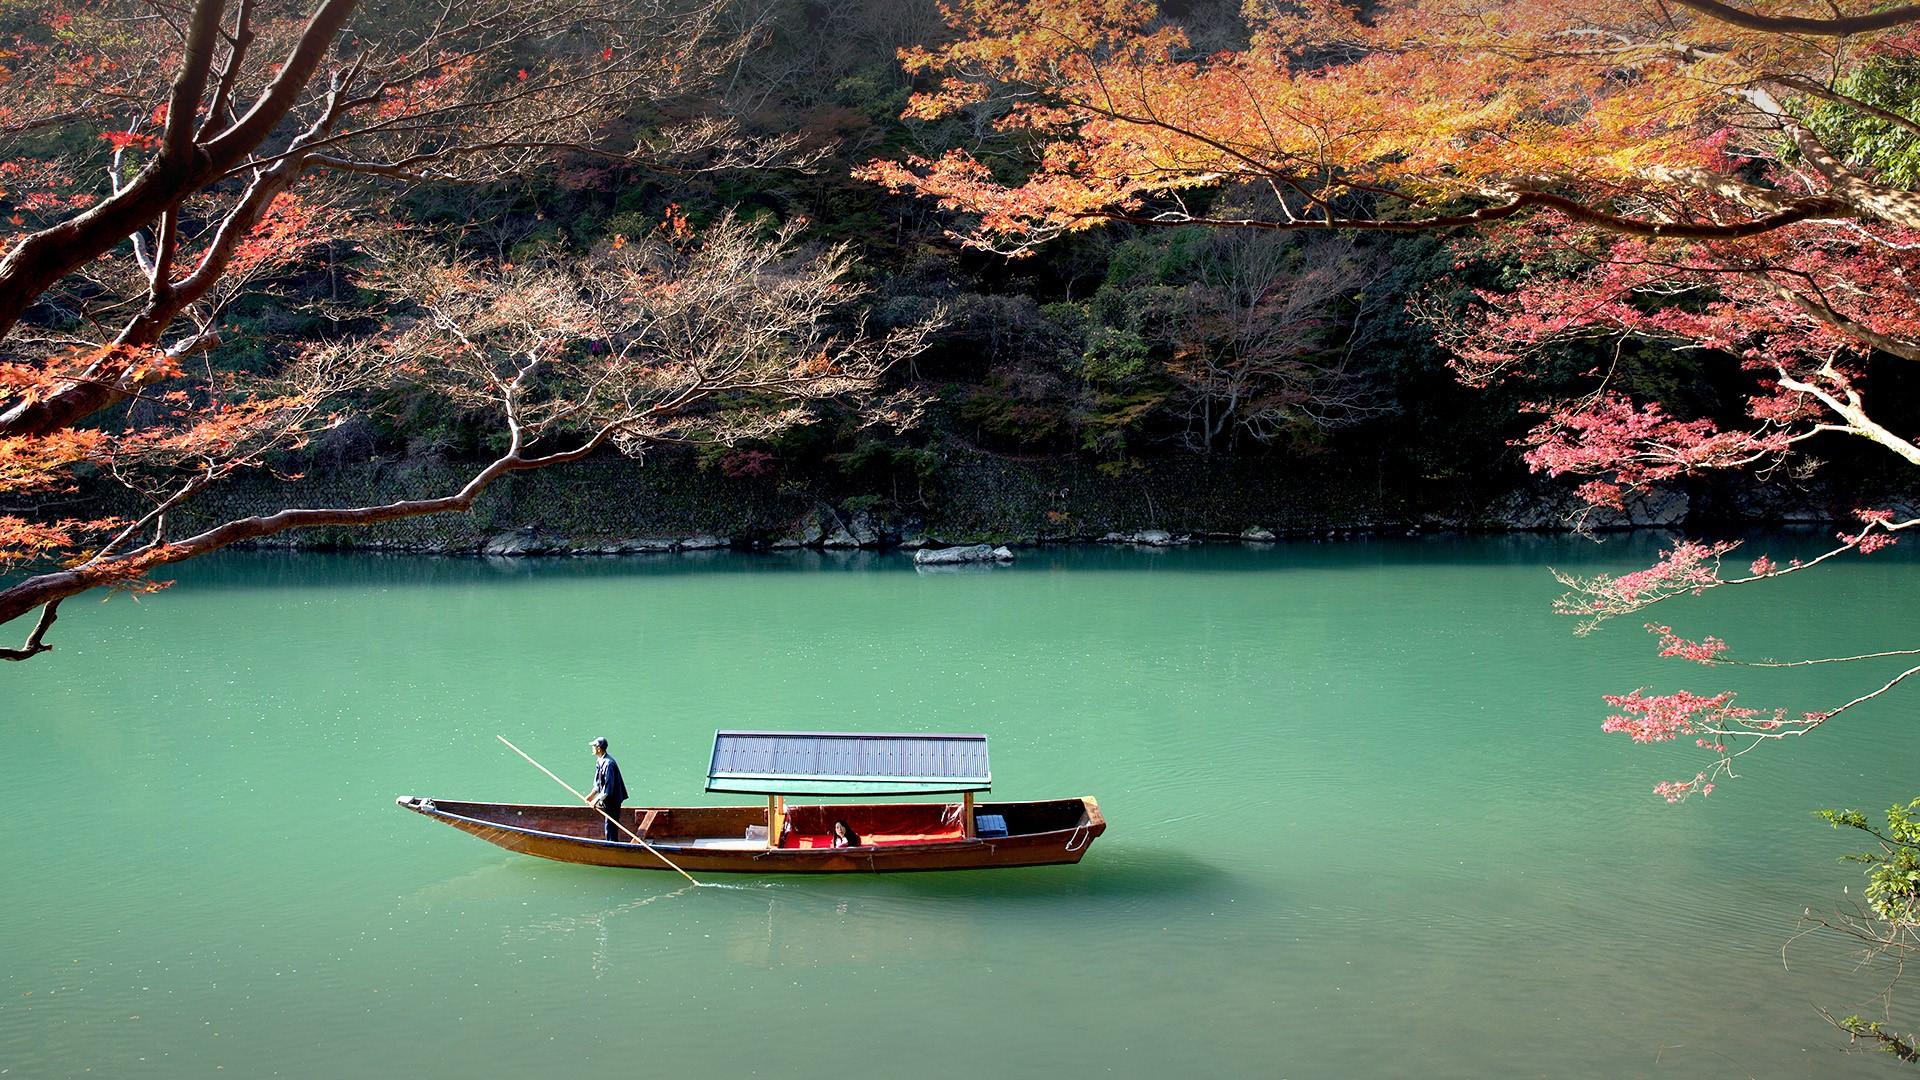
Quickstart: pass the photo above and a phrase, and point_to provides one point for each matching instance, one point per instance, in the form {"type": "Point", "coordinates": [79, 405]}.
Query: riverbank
{"type": "Point", "coordinates": [614, 505]}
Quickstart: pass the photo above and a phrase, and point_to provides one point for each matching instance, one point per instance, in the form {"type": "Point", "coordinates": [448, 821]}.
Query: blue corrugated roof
{"type": "Point", "coordinates": [847, 763]}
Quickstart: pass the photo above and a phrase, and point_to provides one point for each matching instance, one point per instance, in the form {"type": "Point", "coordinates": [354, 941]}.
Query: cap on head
{"type": "Point", "coordinates": [600, 743]}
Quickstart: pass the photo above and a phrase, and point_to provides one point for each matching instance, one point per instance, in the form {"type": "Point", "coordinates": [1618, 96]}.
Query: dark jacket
{"type": "Point", "coordinates": [606, 780]}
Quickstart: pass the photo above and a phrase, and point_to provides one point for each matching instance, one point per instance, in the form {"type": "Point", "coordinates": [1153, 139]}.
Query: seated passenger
{"type": "Point", "coordinates": [844, 836]}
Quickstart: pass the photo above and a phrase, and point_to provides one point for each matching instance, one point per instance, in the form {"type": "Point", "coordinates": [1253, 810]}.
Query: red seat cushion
{"type": "Point", "coordinates": [810, 840]}
{"type": "Point", "coordinates": [885, 839]}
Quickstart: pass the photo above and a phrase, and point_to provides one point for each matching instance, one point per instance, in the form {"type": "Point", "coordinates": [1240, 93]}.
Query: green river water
{"type": "Point", "coordinates": [1363, 822]}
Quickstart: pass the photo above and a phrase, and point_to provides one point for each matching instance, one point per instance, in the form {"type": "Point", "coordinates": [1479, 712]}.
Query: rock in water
{"type": "Point", "coordinates": [967, 554]}
{"type": "Point", "coordinates": [807, 532]}
{"type": "Point", "coordinates": [511, 544]}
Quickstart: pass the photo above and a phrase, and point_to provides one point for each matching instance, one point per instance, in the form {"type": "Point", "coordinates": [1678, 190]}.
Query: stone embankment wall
{"type": "Point", "coordinates": [614, 505]}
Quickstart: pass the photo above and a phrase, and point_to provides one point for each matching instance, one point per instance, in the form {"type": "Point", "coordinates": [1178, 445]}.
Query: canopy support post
{"type": "Point", "coordinates": [776, 815]}
{"type": "Point", "coordinates": [966, 813]}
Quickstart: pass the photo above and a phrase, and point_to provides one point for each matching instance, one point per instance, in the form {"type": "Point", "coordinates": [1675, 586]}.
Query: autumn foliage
{"type": "Point", "coordinates": [159, 164]}
{"type": "Point", "coordinates": [1698, 177]}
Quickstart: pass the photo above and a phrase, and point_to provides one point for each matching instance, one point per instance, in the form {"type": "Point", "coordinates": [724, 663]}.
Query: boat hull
{"type": "Point", "coordinates": [1042, 834]}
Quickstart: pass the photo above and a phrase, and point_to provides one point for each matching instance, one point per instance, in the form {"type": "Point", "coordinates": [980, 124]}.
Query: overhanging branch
{"type": "Point", "coordinates": [1836, 26]}
{"type": "Point", "coordinates": [36, 641]}
{"type": "Point", "coordinates": [1791, 212]}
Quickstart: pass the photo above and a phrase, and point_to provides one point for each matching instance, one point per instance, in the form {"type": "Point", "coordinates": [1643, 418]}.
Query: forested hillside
{"type": "Point", "coordinates": [1137, 376]}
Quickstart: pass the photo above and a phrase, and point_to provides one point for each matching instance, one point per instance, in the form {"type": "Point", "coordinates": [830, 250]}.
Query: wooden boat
{"type": "Point", "coordinates": [962, 835]}
{"type": "Point", "coordinates": [926, 836]}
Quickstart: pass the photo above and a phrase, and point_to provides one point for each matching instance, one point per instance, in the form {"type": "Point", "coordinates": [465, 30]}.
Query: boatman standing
{"type": "Point", "coordinates": [609, 791]}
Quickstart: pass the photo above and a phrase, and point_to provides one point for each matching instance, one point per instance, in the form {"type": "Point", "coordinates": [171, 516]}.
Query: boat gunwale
{"type": "Point", "coordinates": [428, 807]}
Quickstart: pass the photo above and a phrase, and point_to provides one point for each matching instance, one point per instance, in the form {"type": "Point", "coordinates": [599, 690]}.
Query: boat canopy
{"type": "Point", "coordinates": [847, 763]}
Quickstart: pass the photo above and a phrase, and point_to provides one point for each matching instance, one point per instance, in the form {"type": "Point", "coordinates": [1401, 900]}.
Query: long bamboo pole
{"type": "Point", "coordinates": [616, 821]}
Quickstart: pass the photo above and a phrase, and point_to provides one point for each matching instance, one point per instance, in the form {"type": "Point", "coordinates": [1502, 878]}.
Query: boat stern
{"type": "Point", "coordinates": [1095, 819]}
